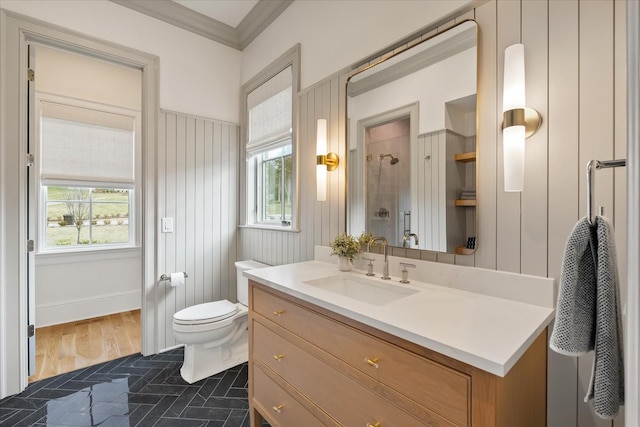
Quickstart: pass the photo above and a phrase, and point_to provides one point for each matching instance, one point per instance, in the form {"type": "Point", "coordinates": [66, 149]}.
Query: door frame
{"type": "Point", "coordinates": [632, 337]}
{"type": "Point", "coordinates": [17, 32]}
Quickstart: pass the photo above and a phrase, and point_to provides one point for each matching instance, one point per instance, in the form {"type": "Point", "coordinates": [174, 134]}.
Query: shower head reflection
{"type": "Point", "coordinates": [393, 161]}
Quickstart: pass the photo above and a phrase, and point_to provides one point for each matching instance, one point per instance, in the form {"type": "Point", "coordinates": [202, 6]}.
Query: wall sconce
{"type": "Point", "coordinates": [518, 121]}
{"type": "Point", "coordinates": [324, 161]}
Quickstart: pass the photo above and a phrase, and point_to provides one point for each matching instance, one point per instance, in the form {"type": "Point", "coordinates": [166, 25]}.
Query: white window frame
{"type": "Point", "coordinates": [249, 187]}
{"type": "Point", "coordinates": [135, 199]}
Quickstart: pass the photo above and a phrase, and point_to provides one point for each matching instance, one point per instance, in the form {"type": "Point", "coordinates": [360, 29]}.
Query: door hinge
{"type": "Point", "coordinates": [30, 245]}
{"type": "Point", "coordinates": [31, 331]}
{"type": "Point", "coordinates": [30, 159]}
{"type": "Point", "coordinates": [31, 75]}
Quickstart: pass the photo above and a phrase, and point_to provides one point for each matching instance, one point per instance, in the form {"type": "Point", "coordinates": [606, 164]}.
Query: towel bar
{"type": "Point", "coordinates": [591, 167]}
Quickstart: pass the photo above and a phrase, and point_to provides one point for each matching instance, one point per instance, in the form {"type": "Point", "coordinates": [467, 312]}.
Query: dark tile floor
{"type": "Point", "coordinates": [132, 391]}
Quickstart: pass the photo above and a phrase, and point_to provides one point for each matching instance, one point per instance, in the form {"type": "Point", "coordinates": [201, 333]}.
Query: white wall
{"type": "Point", "coordinates": [632, 332]}
{"type": "Point", "coordinates": [197, 76]}
{"type": "Point", "coordinates": [80, 286]}
{"type": "Point", "coordinates": [335, 34]}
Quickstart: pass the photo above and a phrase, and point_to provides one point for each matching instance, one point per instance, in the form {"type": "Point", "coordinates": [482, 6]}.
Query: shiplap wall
{"type": "Point", "coordinates": [575, 70]}
{"type": "Point", "coordinates": [197, 187]}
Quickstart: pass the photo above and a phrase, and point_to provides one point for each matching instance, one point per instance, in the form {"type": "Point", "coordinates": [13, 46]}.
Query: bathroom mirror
{"type": "Point", "coordinates": [411, 125]}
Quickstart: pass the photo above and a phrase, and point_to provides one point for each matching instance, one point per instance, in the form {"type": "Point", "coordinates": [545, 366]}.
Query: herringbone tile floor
{"type": "Point", "coordinates": [132, 391]}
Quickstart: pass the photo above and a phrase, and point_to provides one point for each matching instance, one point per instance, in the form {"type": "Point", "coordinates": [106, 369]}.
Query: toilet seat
{"type": "Point", "coordinates": [209, 312]}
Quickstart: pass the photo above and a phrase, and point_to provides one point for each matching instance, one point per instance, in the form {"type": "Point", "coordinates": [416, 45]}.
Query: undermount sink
{"type": "Point", "coordinates": [359, 288]}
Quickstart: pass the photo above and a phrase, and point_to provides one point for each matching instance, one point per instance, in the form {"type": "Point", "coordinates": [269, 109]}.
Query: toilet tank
{"type": "Point", "coordinates": [242, 283]}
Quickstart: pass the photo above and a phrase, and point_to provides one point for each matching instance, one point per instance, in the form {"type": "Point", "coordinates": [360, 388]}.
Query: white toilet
{"type": "Point", "coordinates": [215, 334]}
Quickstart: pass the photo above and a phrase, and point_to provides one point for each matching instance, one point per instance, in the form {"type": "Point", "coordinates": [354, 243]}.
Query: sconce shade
{"type": "Point", "coordinates": [321, 169]}
{"type": "Point", "coordinates": [513, 105]}
{"type": "Point", "coordinates": [513, 95]}
{"type": "Point", "coordinates": [513, 158]}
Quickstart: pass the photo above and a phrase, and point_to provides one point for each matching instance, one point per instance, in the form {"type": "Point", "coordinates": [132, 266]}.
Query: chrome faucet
{"type": "Point", "coordinates": [385, 270]}
{"type": "Point", "coordinates": [407, 237]}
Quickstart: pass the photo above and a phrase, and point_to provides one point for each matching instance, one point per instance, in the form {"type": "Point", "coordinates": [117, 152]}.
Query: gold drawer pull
{"type": "Point", "coordinates": [373, 425]}
{"type": "Point", "coordinates": [278, 357]}
{"type": "Point", "coordinates": [278, 408]}
{"type": "Point", "coordinates": [372, 362]}
{"type": "Point", "coordinates": [278, 312]}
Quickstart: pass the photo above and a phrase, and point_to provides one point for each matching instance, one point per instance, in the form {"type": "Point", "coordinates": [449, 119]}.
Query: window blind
{"type": "Point", "coordinates": [270, 113]}
{"type": "Point", "coordinates": [86, 147]}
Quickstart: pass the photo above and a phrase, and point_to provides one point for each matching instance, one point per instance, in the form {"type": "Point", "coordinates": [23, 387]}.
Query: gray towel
{"type": "Point", "coordinates": [588, 312]}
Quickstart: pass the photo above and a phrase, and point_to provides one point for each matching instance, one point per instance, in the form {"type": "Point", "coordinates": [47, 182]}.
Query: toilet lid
{"type": "Point", "coordinates": [207, 312]}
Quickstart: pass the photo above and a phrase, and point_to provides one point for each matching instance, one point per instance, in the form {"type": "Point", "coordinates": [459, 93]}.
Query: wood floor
{"type": "Point", "coordinates": [70, 346]}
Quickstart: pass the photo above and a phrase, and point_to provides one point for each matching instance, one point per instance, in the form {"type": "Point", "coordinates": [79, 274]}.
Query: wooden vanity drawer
{"type": "Point", "coordinates": [432, 385]}
{"type": "Point", "coordinates": [328, 387]}
{"type": "Point", "coordinates": [278, 404]}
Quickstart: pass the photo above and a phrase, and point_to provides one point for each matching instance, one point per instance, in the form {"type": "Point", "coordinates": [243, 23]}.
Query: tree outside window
{"type": "Point", "coordinates": [77, 201]}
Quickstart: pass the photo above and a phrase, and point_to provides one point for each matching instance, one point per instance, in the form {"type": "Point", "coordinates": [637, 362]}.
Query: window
{"type": "Point", "coordinates": [269, 137]}
{"type": "Point", "coordinates": [87, 176]}
{"type": "Point", "coordinates": [275, 182]}
{"type": "Point", "coordinates": [86, 216]}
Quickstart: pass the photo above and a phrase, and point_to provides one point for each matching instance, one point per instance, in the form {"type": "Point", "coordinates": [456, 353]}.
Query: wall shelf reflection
{"type": "Point", "coordinates": [463, 250]}
{"type": "Point", "coordinates": [466, 157]}
{"type": "Point", "coordinates": [466, 203]}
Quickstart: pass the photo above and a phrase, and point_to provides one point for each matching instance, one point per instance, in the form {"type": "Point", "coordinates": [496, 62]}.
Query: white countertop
{"type": "Point", "coordinates": [487, 332]}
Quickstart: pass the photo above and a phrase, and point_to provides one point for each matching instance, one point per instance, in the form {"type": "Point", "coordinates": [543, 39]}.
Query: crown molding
{"type": "Point", "coordinates": [259, 18]}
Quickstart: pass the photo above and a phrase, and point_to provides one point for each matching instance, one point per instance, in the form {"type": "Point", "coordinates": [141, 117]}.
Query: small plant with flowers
{"type": "Point", "coordinates": [366, 238]}
{"type": "Point", "coordinates": [345, 245]}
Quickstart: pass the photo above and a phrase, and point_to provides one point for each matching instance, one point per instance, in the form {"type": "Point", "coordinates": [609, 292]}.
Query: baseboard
{"type": "Point", "coordinates": [74, 310]}
{"type": "Point", "coordinates": [173, 347]}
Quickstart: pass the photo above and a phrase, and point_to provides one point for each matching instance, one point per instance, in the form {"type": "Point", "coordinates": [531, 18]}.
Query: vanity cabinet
{"type": "Point", "coordinates": [310, 366]}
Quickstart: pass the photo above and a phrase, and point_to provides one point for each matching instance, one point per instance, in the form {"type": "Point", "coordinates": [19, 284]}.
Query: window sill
{"type": "Point", "coordinates": [270, 227]}
{"type": "Point", "coordinates": [97, 254]}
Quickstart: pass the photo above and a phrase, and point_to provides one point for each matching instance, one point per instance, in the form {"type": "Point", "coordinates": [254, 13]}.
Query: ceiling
{"type": "Point", "coordinates": [235, 23]}
{"type": "Point", "coordinates": [230, 12]}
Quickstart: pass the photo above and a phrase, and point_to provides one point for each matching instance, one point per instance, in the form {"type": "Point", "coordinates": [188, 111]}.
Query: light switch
{"type": "Point", "coordinates": [167, 225]}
